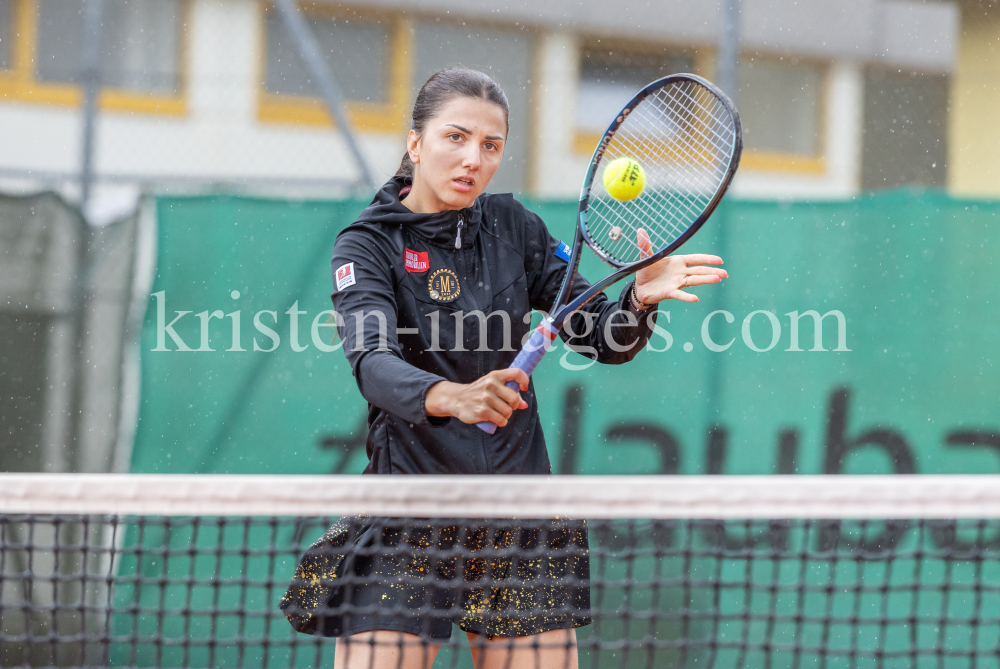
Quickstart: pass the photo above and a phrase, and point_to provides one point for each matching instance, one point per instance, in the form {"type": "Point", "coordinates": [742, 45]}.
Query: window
{"type": "Point", "coordinates": [355, 50]}
{"type": "Point", "coordinates": [6, 34]}
{"type": "Point", "coordinates": [140, 42]}
{"type": "Point", "coordinates": [367, 56]}
{"type": "Point", "coordinates": [609, 77]}
{"type": "Point", "coordinates": [906, 129]}
{"type": "Point", "coordinates": [506, 55]}
{"type": "Point", "coordinates": [780, 105]}
{"type": "Point", "coordinates": [141, 52]}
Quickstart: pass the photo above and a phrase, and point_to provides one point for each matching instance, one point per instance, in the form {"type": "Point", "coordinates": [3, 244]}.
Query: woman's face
{"type": "Point", "coordinates": [456, 155]}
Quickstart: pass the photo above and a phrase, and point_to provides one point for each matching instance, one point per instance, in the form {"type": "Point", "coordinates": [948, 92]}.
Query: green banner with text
{"type": "Point", "coordinates": [852, 337]}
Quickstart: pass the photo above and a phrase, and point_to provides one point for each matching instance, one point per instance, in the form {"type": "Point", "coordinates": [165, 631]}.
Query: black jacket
{"type": "Point", "coordinates": [403, 267]}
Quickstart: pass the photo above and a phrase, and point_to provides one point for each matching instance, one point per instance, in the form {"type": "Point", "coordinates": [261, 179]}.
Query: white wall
{"type": "Point", "coordinates": [557, 171]}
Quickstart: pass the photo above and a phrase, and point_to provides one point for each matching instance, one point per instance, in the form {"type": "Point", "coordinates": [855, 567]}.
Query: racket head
{"type": "Point", "coordinates": [686, 134]}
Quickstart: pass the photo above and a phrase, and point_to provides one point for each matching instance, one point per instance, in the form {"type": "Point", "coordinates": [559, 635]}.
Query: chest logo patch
{"type": "Point", "coordinates": [416, 261]}
{"type": "Point", "coordinates": [443, 285]}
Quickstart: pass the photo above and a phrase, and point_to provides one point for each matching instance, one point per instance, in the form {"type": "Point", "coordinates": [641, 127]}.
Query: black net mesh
{"type": "Point", "coordinates": [207, 591]}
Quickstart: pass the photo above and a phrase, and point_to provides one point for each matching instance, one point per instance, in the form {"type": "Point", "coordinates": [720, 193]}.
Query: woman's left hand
{"type": "Point", "coordinates": [667, 278]}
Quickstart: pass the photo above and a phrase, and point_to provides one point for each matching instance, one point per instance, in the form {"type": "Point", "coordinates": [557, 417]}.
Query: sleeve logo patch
{"type": "Point", "coordinates": [563, 251]}
{"type": "Point", "coordinates": [416, 261]}
{"type": "Point", "coordinates": [345, 276]}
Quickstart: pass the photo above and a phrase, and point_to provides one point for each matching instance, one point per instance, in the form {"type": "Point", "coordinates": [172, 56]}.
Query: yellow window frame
{"type": "Point", "coordinates": [779, 161]}
{"type": "Point", "coordinates": [21, 84]}
{"type": "Point", "coordinates": [305, 110]}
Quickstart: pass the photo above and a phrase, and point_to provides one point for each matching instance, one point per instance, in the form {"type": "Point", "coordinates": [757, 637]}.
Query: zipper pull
{"type": "Point", "coordinates": [458, 237]}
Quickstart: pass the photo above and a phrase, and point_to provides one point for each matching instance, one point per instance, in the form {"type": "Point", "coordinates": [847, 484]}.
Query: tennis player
{"type": "Point", "coordinates": [436, 282]}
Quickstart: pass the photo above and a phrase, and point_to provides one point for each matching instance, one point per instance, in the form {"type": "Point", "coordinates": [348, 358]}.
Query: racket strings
{"type": "Point", "coordinates": [689, 194]}
{"type": "Point", "coordinates": [631, 147]}
{"type": "Point", "coordinates": [685, 200]}
{"type": "Point", "coordinates": [683, 136]}
{"type": "Point", "coordinates": [717, 109]}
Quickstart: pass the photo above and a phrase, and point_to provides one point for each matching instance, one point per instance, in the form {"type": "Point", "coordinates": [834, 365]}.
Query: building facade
{"type": "Point", "coordinates": [836, 97]}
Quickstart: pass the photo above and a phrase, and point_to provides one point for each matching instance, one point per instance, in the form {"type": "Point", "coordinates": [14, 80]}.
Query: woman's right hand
{"type": "Point", "coordinates": [486, 399]}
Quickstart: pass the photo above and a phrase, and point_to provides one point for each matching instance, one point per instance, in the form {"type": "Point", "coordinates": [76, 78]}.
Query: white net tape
{"type": "Point", "coordinates": [595, 497]}
{"type": "Point", "coordinates": [682, 136]}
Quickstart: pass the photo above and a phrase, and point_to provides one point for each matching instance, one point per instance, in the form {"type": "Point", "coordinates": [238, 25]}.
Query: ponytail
{"type": "Point", "coordinates": [405, 167]}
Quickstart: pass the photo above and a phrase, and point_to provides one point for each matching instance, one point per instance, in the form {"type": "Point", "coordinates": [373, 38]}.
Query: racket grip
{"type": "Point", "coordinates": [526, 360]}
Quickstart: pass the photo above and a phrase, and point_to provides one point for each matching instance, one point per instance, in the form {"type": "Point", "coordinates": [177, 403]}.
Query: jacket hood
{"type": "Point", "coordinates": [440, 229]}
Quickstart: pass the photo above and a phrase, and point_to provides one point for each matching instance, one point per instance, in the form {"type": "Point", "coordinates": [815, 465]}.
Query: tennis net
{"type": "Point", "coordinates": [189, 571]}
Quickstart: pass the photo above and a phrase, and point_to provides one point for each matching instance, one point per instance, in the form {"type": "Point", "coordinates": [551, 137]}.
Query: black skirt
{"type": "Point", "coordinates": [491, 577]}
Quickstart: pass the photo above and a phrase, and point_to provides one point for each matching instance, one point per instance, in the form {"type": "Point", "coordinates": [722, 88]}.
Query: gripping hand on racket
{"type": "Point", "coordinates": [485, 399]}
{"type": "Point", "coordinates": [668, 277]}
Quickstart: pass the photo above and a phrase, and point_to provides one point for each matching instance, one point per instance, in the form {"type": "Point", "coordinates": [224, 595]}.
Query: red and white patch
{"type": "Point", "coordinates": [416, 261]}
{"type": "Point", "coordinates": [345, 276]}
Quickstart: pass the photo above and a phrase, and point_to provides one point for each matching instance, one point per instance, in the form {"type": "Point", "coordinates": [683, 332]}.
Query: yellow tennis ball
{"type": "Point", "coordinates": [624, 179]}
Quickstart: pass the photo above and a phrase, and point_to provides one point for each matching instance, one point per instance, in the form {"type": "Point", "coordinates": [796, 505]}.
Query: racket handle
{"type": "Point", "coordinates": [526, 360]}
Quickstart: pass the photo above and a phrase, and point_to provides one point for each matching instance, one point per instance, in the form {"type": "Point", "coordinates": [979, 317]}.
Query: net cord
{"type": "Point", "coordinates": [595, 497]}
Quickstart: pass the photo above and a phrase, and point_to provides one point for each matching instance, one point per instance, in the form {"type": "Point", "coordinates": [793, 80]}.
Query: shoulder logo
{"type": "Point", "coordinates": [345, 276]}
{"type": "Point", "coordinates": [416, 261]}
{"type": "Point", "coordinates": [563, 251]}
{"type": "Point", "coordinates": [443, 285]}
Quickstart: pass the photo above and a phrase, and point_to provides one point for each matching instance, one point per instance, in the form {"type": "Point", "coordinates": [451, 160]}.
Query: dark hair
{"type": "Point", "coordinates": [442, 87]}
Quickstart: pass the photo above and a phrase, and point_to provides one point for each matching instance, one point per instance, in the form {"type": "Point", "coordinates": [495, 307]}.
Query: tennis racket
{"type": "Point", "coordinates": [686, 135]}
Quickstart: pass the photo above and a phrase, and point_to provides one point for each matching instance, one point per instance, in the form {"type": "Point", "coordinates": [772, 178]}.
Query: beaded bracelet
{"type": "Point", "coordinates": [637, 303]}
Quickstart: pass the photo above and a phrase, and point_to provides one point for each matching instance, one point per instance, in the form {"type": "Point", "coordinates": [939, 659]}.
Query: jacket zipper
{"type": "Point", "coordinates": [463, 272]}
